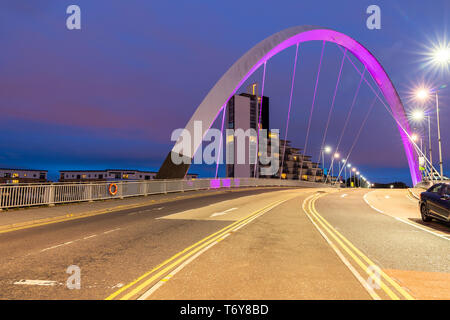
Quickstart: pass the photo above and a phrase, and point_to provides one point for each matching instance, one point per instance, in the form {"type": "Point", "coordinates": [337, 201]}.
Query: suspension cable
{"type": "Point", "coordinates": [312, 110]}
{"type": "Point", "coordinates": [392, 115]}
{"type": "Point", "coordinates": [289, 110]}
{"type": "Point", "coordinates": [332, 107]}
{"type": "Point", "coordinates": [259, 118]}
{"type": "Point", "coordinates": [358, 134]}
{"type": "Point", "coordinates": [347, 120]}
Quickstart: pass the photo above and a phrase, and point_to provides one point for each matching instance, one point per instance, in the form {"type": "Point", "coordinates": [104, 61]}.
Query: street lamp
{"type": "Point", "coordinates": [441, 56]}
{"type": "Point", "coordinates": [419, 115]}
{"type": "Point", "coordinates": [423, 94]}
{"type": "Point", "coordinates": [327, 150]}
{"type": "Point", "coordinates": [354, 176]}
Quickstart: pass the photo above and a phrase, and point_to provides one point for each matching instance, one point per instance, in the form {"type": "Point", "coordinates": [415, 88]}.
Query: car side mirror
{"type": "Point", "coordinates": [445, 197]}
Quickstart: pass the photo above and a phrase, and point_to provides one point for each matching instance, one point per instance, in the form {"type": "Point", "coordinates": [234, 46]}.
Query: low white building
{"type": "Point", "coordinates": [109, 175]}
{"type": "Point", "coordinates": [8, 175]}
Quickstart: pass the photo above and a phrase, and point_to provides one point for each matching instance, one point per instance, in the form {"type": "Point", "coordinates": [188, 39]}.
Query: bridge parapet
{"type": "Point", "coordinates": [12, 196]}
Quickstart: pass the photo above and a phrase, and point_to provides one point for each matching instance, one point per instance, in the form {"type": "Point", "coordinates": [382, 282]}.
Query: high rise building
{"type": "Point", "coordinates": [243, 112]}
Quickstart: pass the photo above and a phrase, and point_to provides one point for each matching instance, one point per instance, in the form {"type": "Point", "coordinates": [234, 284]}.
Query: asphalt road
{"type": "Point", "coordinates": [258, 244]}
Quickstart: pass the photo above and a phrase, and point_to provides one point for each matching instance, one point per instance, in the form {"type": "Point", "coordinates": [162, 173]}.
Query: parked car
{"type": "Point", "coordinates": [435, 203]}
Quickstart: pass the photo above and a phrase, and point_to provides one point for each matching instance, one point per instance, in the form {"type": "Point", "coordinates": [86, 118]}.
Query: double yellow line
{"type": "Point", "coordinates": [136, 288]}
{"type": "Point", "coordinates": [384, 282]}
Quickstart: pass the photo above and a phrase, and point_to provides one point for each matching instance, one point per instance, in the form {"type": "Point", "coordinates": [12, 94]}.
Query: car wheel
{"type": "Point", "coordinates": [424, 213]}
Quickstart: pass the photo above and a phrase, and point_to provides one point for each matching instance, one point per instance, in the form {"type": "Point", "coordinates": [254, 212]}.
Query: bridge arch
{"type": "Point", "coordinates": [243, 68]}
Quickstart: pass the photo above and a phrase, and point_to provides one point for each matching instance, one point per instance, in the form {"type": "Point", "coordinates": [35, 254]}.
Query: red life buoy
{"type": "Point", "coordinates": [111, 192]}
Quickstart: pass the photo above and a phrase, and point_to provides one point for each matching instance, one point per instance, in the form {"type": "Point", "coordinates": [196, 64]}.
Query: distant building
{"type": "Point", "coordinates": [22, 176]}
{"type": "Point", "coordinates": [109, 175]}
{"type": "Point", "coordinates": [243, 111]}
{"type": "Point", "coordinates": [297, 166]}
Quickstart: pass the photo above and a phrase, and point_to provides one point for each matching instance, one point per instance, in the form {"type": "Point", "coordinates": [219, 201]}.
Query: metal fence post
{"type": "Point", "coordinates": [51, 195]}
{"type": "Point", "coordinates": [145, 188]}
{"type": "Point", "coordinates": [121, 190]}
{"type": "Point", "coordinates": [90, 192]}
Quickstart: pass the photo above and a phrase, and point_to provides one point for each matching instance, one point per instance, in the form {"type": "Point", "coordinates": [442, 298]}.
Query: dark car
{"type": "Point", "coordinates": [435, 203]}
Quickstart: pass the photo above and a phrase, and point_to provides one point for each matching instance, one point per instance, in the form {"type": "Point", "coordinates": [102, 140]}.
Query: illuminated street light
{"type": "Point", "coordinates": [422, 94]}
{"type": "Point", "coordinates": [441, 55]}
{"type": "Point", "coordinates": [414, 137]}
{"type": "Point", "coordinates": [418, 115]}
{"type": "Point", "coordinates": [337, 155]}
{"type": "Point", "coordinates": [327, 149]}
{"type": "Point", "coordinates": [349, 165]}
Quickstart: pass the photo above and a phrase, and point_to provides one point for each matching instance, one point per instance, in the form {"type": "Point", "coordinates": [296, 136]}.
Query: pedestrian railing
{"type": "Point", "coordinates": [49, 194]}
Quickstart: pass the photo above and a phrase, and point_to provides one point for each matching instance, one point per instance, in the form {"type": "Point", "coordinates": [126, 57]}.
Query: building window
{"type": "Point", "coordinates": [125, 176]}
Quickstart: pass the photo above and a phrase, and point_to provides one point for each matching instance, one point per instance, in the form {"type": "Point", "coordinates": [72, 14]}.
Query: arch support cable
{"type": "Point", "coordinates": [332, 107]}
{"type": "Point", "coordinates": [259, 119]}
{"type": "Point", "coordinates": [346, 121]}
{"type": "Point", "coordinates": [312, 110]}
{"type": "Point", "coordinates": [289, 110]}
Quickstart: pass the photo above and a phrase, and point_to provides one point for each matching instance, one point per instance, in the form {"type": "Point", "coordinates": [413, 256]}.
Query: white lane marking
{"type": "Point", "coordinates": [365, 199]}
{"type": "Point", "coordinates": [423, 229]}
{"type": "Point", "coordinates": [37, 282]}
{"type": "Point", "coordinates": [142, 211]}
{"type": "Point", "coordinates": [387, 197]}
{"type": "Point", "coordinates": [342, 257]}
{"type": "Point", "coordinates": [344, 195]}
{"type": "Point", "coordinates": [70, 242]}
{"type": "Point", "coordinates": [106, 232]}
{"type": "Point", "coordinates": [222, 212]}
{"type": "Point", "coordinates": [59, 245]}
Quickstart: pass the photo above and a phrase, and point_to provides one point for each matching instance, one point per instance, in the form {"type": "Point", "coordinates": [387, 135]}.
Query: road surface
{"type": "Point", "coordinates": [255, 244]}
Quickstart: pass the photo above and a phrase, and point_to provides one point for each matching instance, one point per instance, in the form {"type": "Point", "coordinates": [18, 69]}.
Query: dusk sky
{"type": "Point", "coordinates": [110, 95]}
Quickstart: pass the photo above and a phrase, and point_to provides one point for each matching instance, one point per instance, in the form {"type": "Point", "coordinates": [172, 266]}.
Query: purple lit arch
{"type": "Point", "coordinates": [242, 69]}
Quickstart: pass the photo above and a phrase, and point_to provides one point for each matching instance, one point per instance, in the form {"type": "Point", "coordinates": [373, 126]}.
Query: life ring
{"type": "Point", "coordinates": [116, 188]}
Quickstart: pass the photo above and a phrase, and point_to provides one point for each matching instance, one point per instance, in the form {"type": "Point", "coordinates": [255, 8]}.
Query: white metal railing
{"type": "Point", "coordinates": [49, 194]}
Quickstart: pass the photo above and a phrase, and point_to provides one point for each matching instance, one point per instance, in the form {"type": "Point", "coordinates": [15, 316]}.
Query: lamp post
{"type": "Point", "coordinates": [349, 173]}
{"type": "Point", "coordinates": [423, 94]}
{"type": "Point", "coordinates": [354, 177]}
{"type": "Point", "coordinates": [359, 179]}
{"type": "Point", "coordinates": [335, 156]}
{"type": "Point", "coordinates": [327, 150]}
{"type": "Point", "coordinates": [419, 115]}
{"type": "Point", "coordinates": [441, 57]}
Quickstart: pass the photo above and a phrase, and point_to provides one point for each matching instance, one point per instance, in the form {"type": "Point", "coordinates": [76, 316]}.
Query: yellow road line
{"type": "Point", "coordinates": [364, 257]}
{"type": "Point", "coordinates": [388, 291]}
{"type": "Point", "coordinates": [340, 255]}
{"type": "Point", "coordinates": [200, 245]}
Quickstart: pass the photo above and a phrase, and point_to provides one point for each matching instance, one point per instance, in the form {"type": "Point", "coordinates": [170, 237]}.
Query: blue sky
{"type": "Point", "coordinates": [110, 95]}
